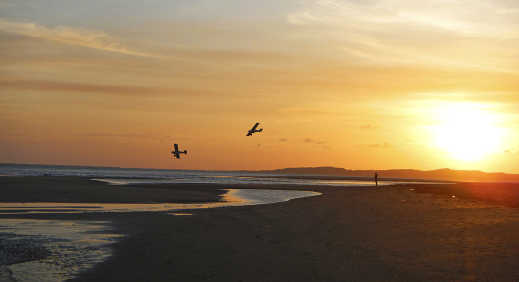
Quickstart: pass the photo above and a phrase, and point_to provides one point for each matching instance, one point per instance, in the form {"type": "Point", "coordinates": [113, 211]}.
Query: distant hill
{"type": "Point", "coordinates": [438, 174]}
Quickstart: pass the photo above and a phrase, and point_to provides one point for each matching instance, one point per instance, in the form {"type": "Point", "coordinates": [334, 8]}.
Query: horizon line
{"type": "Point", "coordinates": [248, 170]}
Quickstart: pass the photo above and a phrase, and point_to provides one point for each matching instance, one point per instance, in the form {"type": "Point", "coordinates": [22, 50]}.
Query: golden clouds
{"type": "Point", "coordinates": [74, 87]}
{"type": "Point", "coordinates": [460, 34]}
{"type": "Point", "coordinates": [72, 36]}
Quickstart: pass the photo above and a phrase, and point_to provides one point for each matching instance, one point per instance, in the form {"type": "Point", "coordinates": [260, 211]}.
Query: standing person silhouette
{"type": "Point", "coordinates": [376, 179]}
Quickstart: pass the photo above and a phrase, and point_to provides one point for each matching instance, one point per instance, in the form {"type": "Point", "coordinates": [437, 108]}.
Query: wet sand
{"type": "Point", "coordinates": [69, 189]}
{"type": "Point", "coordinates": [401, 233]}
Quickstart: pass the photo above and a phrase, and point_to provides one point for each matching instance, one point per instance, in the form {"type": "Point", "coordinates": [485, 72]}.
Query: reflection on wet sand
{"type": "Point", "coordinates": [51, 250]}
{"type": "Point", "coordinates": [233, 197]}
{"type": "Point", "coordinates": [56, 250]}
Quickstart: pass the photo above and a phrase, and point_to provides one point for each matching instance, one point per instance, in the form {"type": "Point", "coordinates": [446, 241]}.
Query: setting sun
{"type": "Point", "coordinates": [467, 131]}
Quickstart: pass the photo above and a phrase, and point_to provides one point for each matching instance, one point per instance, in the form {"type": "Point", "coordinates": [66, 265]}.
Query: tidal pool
{"type": "Point", "coordinates": [57, 250]}
{"type": "Point", "coordinates": [233, 197]}
{"type": "Point", "coordinates": [51, 250]}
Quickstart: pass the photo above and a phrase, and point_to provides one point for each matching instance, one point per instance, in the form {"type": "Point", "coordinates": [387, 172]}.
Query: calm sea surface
{"type": "Point", "coordinates": [137, 175]}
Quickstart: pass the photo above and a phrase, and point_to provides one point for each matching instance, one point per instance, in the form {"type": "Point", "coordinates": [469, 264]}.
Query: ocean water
{"type": "Point", "coordinates": [137, 175]}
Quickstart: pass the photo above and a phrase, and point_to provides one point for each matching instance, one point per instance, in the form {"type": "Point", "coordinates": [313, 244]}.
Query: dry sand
{"type": "Point", "coordinates": [347, 234]}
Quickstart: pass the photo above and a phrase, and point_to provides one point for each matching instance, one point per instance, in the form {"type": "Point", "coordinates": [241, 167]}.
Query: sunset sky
{"type": "Point", "coordinates": [360, 84]}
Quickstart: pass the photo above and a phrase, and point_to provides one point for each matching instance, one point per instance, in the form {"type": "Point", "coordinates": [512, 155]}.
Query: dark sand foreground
{"type": "Point", "coordinates": [401, 233]}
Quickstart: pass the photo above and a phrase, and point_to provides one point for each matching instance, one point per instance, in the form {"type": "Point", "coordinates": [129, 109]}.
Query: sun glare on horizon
{"type": "Point", "coordinates": [468, 132]}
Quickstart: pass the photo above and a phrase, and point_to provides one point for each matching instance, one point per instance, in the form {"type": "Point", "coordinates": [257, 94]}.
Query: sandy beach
{"type": "Point", "coordinates": [398, 233]}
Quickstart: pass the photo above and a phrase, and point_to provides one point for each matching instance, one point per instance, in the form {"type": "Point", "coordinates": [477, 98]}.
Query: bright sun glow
{"type": "Point", "coordinates": [467, 131]}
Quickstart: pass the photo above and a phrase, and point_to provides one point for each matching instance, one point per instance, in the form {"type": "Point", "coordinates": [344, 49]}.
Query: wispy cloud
{"type": "Point", "coordinates": [119, 135]}
{"type": "Point", "coordinates": [413, 32]}
{"type": "Point", "coordinates": [72, 36]}
{"type": "Point", "coordinates": [54, 86]}
{"type": "Point", "coordinates": [390, 15]}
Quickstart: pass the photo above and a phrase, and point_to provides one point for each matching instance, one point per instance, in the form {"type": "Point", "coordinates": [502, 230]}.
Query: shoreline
{"type": "Point", "coordinates": [81, 189]}
{"type": "Point", "coordinates": [394, 233]}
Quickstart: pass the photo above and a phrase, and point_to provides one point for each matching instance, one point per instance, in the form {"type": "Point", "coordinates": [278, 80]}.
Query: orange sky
{"type": "Point", "coordinates": [354, 84]}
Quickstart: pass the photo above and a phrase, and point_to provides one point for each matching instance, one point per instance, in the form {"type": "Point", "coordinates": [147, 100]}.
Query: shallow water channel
{"type": "Point", "coordinates": [57, 250]}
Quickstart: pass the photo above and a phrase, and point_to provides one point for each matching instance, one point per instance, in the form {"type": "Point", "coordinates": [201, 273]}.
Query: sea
{"type": "Point", "coordinates": [142, 175]}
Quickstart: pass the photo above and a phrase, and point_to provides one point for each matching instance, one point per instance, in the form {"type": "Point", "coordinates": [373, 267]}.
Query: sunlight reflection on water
{"type": "Point", "coordinates": [51, 250]}
{"type": "Point", "coordinates": [233, 197]}
{"type": "Point", "coordinates": [57, 250]}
